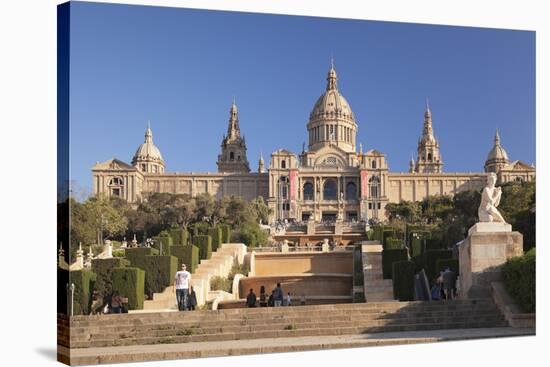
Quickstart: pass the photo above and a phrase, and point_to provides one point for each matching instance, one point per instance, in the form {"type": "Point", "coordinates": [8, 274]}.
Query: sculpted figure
{"type": "Point", "coordinates": [490, 199]}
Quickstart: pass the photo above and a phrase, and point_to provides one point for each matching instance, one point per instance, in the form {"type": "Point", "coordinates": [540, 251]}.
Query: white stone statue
{"type": "Point", "coordinates": [490, 199]}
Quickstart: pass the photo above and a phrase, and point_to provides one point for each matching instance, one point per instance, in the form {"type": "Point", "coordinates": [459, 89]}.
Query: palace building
{"type": "Point", "coordinates": [331, 180]}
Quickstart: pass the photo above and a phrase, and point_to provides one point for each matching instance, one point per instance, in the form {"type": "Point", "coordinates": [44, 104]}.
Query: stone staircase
{"type": "Point", "coordinates": [219, 264]}
{"type": "Point", "coordinates": [296, 321]}
{"type": "Point", "coordinates": [377, 289]}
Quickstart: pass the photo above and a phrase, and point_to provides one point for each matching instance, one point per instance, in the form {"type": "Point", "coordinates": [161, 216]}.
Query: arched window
{"type": "Point", "coordinates": [373, 164]}
{"type": "Point", "coordinates": [351, 191]}
{"type": "Point", "coordinates": [115, 181]}
{"type": "Point", "coordinates": [429, 157]}
{"type": "Point", "coordinates": [231, 156]}
{"type": "Point", "coordinates": [374, 187]}
{"type": "Point", "coordinates": [283, 164]}
{"type": "Point", "coordinates": [308, 191]}
{"type": "Point", "coordinates": [329, 189]}
{"type": "Point", "coordinates": [519, 179]}
{"type": "Point", "coordinates": [238, 157]}
{"type": "Point", "coordinates": [144, 167]}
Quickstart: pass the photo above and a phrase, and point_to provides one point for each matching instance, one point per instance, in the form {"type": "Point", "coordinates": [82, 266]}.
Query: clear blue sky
{"type": "Point", "coordinates": [181, 68]}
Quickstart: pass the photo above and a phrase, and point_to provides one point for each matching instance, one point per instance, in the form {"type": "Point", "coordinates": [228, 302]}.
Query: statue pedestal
{"type": "Point", "coordinates": [481, 255]}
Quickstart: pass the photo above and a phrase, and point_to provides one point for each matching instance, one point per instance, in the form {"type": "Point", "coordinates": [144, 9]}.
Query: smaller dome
{"type": "Point", "coordinates": [497, 153]}
{"type": "Point", "coordinates": [147, 151]}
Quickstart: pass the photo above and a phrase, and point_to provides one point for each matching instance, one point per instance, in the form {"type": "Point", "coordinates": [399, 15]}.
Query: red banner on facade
{"type": "Point", "coordinates": [293, 178]}
{"type": "Point", "coordinates": [364, 185]}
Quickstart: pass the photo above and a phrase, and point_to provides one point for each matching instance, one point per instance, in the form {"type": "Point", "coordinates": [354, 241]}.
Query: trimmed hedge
{"type": "Point", "coordinates": [159, 273]}
{"type": "Point", "coordinates": [136, 256]}
{"type": "Point", "coordinates": [452, 264]}
{"type": "Point", "coordinates": [389, 257]}
{"type": "Point", "coordinates": [179, 236]}
{"type": "Point", "coordinates": [393, 243]}
{"type": "Point", "coordinates": [431, 258]}
{"type": "Point", "coordinates": [387, 234]}
{"type": "Point", "coordinates": [378, 233]}
{"type": "Point", "coordinates": [519, 277]}
{"type": "Point", "coordinates": [103, 268]}
{"type": "Point", "coordinates": [204, 243]}
{"type": "Point", "coordinates": [166, 243]}
{"type": "Point", "coordinates": [188, 255]}
{"type": "Point", "coordinates": [226, 233]}
{"type": "Point", "coordinates": [200, 229]}
{"type": "Point", "coordinates": [130, 282]}
{"type": "Point", "coordinates": [403, 280]}
{"type": "Point", "coordinates": [83, 281]}
{"type": "Point", "coordinates": [217, 237]}
{"type": "Point", "coordinates": [418, 246]}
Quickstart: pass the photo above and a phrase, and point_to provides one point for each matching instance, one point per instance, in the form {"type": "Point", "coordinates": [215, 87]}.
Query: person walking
{"type": "Point", "coordinates": [288, 299]}
{"type": "Point", "coordinates": [251, 299]}
{"type": "Point", "coordinates": [263, 300]}
{"type": "Point", "coordinates": [182, 281]}
{"type": "Point", "coordinates": [278, 296]}
{"type": "Point", "coordinates": [192, 298]}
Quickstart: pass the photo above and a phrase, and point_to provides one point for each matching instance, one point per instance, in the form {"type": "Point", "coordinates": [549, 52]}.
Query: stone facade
{"type": "Point", "coordinates": [330, 180]}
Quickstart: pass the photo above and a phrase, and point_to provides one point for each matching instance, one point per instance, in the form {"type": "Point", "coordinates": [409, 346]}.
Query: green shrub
{"type": "Point", "coordinates": [418, 234]}
{"type": "Point", "coordinates": [389, 257]}
{"type": "Point", "coordinates": [403, 280]}
{"type": "Point", "coordinates": [83, 281]}
{"type": "Point", "coordinates": [221, 284]}
{"type": "Point", "coordinates": [179, 236]}
{"type": "Point", "coordinates": [393, 243]}
{"type": "Point", "coordinates": [452, 264]}
{"type": "Point", "coordinates": [251, 234]}
{"type": "Point", "coordinates": [159, 273]}
{"type": "Point", "coordinates": [130, 282]}
{"type": "Point", "coordinates": [370, 235]}
{"type": "Point", "coordinates": [188, 255]}
{"type": "Point", "coordinates": [217, 237]}
{"type": "Point", "coordinates": [519, 277]}
{"type": "Point", "coordinates": [238, 269]}
{"type": "Point", "coordinates": [226, 233]}
{"type": "Point", "coordinates": [204, 243]}
{"type": "Point", "coordinates": [166, 242]}
{"type": "Point", "coordinates": [431, 258]}
{"type": "Point", "coordinates": [103, 268]}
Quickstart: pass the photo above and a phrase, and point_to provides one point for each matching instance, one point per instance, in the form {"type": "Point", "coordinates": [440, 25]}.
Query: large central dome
{"type": "Point", "coordinates": [331, 122]}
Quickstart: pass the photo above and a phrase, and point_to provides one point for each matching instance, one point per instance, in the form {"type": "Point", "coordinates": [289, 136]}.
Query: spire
{"type": "Point", "coordinates": [497, 137]}
{"type": "Point", "coordinates": [428, 112]}
{"type": "Point", "coordinates": [261, 163]}
{"type": "Point", "coordinates": [233, 129]}
{"type": "Point", "coordinates": [332, 79]}
{"type": "Point", "coordinates": [148, 133]}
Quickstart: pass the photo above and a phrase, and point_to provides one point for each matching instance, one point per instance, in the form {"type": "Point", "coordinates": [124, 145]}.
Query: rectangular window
{"type": "Point", "coordinates": [370, 205]}
{"type": "Point", "coordinates": [378, 205]}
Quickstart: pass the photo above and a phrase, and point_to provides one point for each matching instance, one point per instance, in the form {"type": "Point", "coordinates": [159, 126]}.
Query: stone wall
{"type": "Point", "coordinates": [298, 263]}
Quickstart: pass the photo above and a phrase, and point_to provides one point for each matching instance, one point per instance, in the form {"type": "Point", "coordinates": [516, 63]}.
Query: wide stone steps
{"type": "Point", "coordinates": [367, 316]}
{"type": "Point", "coordinates": [190, 335]}
{"type": "Point", "coordinates": [236, 324]}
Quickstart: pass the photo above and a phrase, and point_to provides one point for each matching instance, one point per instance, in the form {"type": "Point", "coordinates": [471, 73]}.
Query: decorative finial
{"type": "Point", "coordinates": [331, 62]}
{"type": "Point", "coordinates": [497, 137]}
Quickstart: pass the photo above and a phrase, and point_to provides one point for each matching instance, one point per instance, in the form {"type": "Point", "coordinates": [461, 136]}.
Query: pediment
{"type": "Point", "coordinates": [330, 157]}
{"type": "Point", "coordinates": [113, 164]}
{"type": "Point", "coordinates": [519, 166]}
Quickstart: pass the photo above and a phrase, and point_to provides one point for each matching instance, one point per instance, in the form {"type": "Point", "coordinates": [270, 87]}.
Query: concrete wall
{"type": "Point", "coordinates": [322, 285]}
{"type": "Point", "coordinates": [299, 263]}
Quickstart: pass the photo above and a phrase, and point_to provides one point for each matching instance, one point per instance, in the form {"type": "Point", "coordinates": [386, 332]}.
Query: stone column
{"type": "Point", "coordinates": [482, 254]}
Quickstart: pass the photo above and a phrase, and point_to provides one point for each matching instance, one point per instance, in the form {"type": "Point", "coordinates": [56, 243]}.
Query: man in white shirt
{"type": "Point", "coordinates": [182, 282]}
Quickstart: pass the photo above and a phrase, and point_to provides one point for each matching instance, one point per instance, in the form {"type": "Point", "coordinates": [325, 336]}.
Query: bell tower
{"type": "Point", "coordinates": [233, 147]}
{"type": "Point", "coordinates": [429, 159]}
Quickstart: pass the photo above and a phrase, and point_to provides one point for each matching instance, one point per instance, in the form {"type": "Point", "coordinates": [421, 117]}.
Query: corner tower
{"type": "Point", "coordinates": [233, 154]}
{"type": "Point", "coordinates": [429, 159]}
{"type": "Point", "coordinates": [331, 121]}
